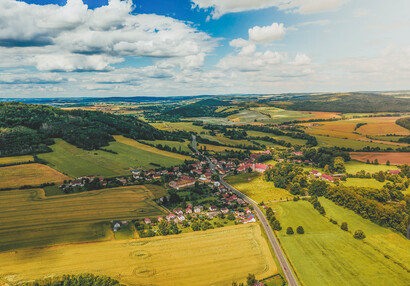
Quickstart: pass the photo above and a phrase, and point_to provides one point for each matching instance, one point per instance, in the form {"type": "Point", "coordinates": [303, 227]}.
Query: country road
{"type": "Point", "coordinates": [290, 277]}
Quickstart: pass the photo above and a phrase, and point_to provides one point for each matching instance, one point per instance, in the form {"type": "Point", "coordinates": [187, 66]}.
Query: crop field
{"type": "Point", "coordinates": [353, 166]}
{"type": "Point", "coordinates": [339, 129]}
{"type": "Point", "coordinates": [327, 141]}
{"type": "Point", "coordinates": [177, 145]}
{"type": "Point", "coordinates": [16, 160]}
{"type": "Point", "coordinates": [248, 116]}
{"type": "Point", "coordinates": [199, 258]}
{"type": "Point", "coordinates": [174, 126]}
{"type": "Point", "coordinates": [320, 115]}
{"type": "Point", "coordinates": [217, 148]}
{"type": "Point", "coordinates": [291, 140]}
{"type": "Point", "coordinates": [257, 188]}
{"type": "Point", "coordinates": [363, 183]}
{"type": "Point", "coordinates": [131, 154]}
{"type": "Point", "coordinates": [29, 174]}
{"type": "Point", "coordinates": [29, 219]}
{"type": "Point", "coordinates": [327, 255]}
{"type": "Point", "coordinates": [381, 126]}
{"type": "Point", "coordinates": [394, 158]}
{"type": "Point", "coordinates": [278, 115]}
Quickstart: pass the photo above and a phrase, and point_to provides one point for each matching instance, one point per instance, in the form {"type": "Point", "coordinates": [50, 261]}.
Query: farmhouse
{"type": "Point", "coordinates": [170, 217]}
{"type": "Point", "coordinates": [181, 217]}
{"type": "Point", "coordinates": [394, 172]}
{"type": "Point", "coordinates": [185, 181]}
{"type": "Point", "coordinates": [198, 209]}
{"type": "Point", "coordinates": [328, 178]}
{"type": "Point", "coordinates": [315, 173]}
{"type": "Point", "coordinates": [225, 210]}
{"type": "Point", "coordinates": [147, 221]}
{"type": "Point", "coordinates": [212, 208]}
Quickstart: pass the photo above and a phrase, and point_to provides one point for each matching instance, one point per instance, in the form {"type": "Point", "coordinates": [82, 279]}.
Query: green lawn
{"type": "Point", "coordinates": [278, 115]}
{"type": "Point", "coordinates": [326, 255]}
{"type": "Point", "coordinates": [177, 145]}
{"type": "Point", "coordinates": [352, 167]}
{"type": "Point", "coordinates": [365, 183]}
{"type": "Point", "coordinates": [291, 140]}
{"type": "Point", "coordinates": [77, 162]}
{"type": "Point", "coordinates": [257, 188]}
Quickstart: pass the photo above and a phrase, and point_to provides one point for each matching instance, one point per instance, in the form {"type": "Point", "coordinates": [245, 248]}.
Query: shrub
{"type": "Point", "coordinates": [300, 230]}
{"type": "Point", "coordinates": [289, 230]}
{"type": "Point", "coordinates": [359, 234]}
{"type": "Point", "coordinates": [344, 226]}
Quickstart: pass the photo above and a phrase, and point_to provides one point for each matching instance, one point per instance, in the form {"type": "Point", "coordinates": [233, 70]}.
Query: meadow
{"type": "Point", "coordinates": [327, 255]}
{"type": "Point", "coordinates": [131, 154]}
{"type": "Point", "coordinates": [200, 258]}
{"type": "Point", "coordinates": [174, 126]}
{"type": "Point", "coordinates": [363, 183]}
{"type": "Point", "coordinates": [178, 145]}
{"type": "Point", "coordinates": [16, 160]}
{"type": "Point", "coordinates": [353, 166]}
{"type": "Point", "coordinates": [291, 140]}
{"type": "Point", "coordinates": [328, 141]}
{"type": "Point", "coordinates": [257, 188]}
{"type": "Point", "coordinates": [394, 158]}
{"type": "Point", "coordinates": [277, 115]}
{"type": "Point", "coordinates": [29, 219]}
{"type": "Point", "coordinates": [216, 148]}
{"type": "Point", "coordinates": [29, 174]}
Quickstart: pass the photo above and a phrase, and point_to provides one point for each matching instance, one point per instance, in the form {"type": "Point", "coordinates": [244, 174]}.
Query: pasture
{"type": "Point", "coordinates": [381, 126]}
{"type": "Point", "coordinates": [130, 155]}
{"type": "Point", "coordinates": [328, 141]}
{"type": "Point", "coordinates": [29, 219]}
{"type": "Point", "coordinates": [216, 148]}
{"type": "Point", "coordinates": [277, 115]}
{"type": "Point", "coordinates": [257, 188]}
{"type": "Point", "coordinates": [363, 183]}
{"type": "Point", "coordinates": [197, 258]}
{"type": "Point", "coordinates": [327, 255]}
{"type": "Point", "coordinates": [29, 174]}
{"type": "Point", "coordinates": [291, 140]}
{"type": "Point", "coordinates": [183, 146]}
{"type": "Point", "coordinates": [394, 158]}
{"type": "Point", "coordinates": [16, 160]}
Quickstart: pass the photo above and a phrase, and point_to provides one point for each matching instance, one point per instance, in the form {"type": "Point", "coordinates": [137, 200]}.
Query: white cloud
{"type": "Point", "coordinates": [301, 59]}
{"type": "Point", "coordinates": [221, 7]}
{"type": "Point", "coordinates": [266, 34]}
{"type": "Point", "coordinates": [245, 63]}
{"type": "Point", "coordinates": [72, 37]}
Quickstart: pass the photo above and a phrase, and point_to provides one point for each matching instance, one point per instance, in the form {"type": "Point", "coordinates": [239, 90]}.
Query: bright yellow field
{"type": "Point", "coordinates": [381, 126]}
{"type": "Point", "coordinates": [29, 219]}
{"type": "Point", "coordinates": [141, 146]}
{"type": "Point", "coordinates": [214, 257]}
{"type": "Point", "coordinates": [257, 188]}
{"type": "Point", "coordinates": [29, 174]}
{"type": "Point", "coordinates": [17, 159]}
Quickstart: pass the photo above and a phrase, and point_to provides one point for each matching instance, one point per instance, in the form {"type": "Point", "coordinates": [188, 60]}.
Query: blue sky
{"type": "Point", "coordinates": [55, 48]}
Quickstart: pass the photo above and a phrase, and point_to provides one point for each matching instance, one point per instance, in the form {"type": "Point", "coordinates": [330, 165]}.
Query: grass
{"type": "Point", "coordinates": [257, 188]}
{"type": "Point", "coordinates": [363, 183]}
{"type": "Point", "coordinates": [276, 115]}
{"type": "Point", "coordinates": [16, 160]}
{"type": "Point", "coordinates": [353, 166]}
{"type": "Point", "coordinates": [334, 255]}
{"type": "Point", "coordinates": [248, 116]}
{"type": "Point", "coordinates": [174, 126]}
{"type": "Point", "coordinates": [29, 219]}
{"type": "Point", "coordinates": [327, 141]}
{"type": "Point", "coordinates": [198, 258]}
{"type": "Point", "coordinates": [131, 154]}
{"type": "Point", "coordinates": [217, 148]}
{"type": "Point", "coordinates": [177, 145]}
{"type": "Point", "coordinates": [29, 174]}
{"type": "Point", "coordinates": [291, 140]}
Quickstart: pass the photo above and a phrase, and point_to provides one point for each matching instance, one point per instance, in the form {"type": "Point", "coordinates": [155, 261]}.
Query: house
{"type": "Point", "coordinates": [212, 214]}
{"type": "Point", "coordinates": [178, 212]}
{"type": "Point", "coordinates": [188, 210]}
{"type": "Point", "coordinates": [159, 218]}
{"type": "Point", "coordinates": [315, 173]}
{"type": "Point", "coordinates": [198, 209]}
{"type": "Point", "coordinates": [328, 178]}
{"type": "Point", "coordinates": [185, 181]}
{"type": "Point", "coordinates": [260, 168]}
{"type": "Point", "coordinates": [117, 226]}
{"type": "Point", "coordinates": [170, 217]}
{"type": "Point", "coordinates": [297, 153]}
{"type": "Point", "coordinates": [212, 208]}
{"type": "Point", "coordinates": [394, 172]}
{"type": "Point", "coordinates": [248, 211]}
{"type": "Point", "coordinates": [147, 221]}
{"type": "Point", "coordinates": [181, 217]}
{"type": "Point", "coordinates": [225, 210]}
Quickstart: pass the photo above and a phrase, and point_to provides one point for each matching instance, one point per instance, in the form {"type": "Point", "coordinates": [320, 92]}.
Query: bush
{"type": "Point", "coordinates": [344, 226]}
{"type": "Point", "coordinates": [289, 230]}
{"type": "Point", "coordinates": [231, 216]}
{"type": "Point", "coordinates": [359, 234]}
{"type": "Point", "coordinates": [276, 225]}
{"type": "Point", "coordinates": [300, 230]}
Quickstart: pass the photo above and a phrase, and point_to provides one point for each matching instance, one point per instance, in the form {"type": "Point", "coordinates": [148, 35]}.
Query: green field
{"type": "Point", "coordinates": [363, 183]}
{"type": "Point", "coordinates": [16, 160]}
{"type": "Point", "coordinates": [77, 162]}
{"type": "Point", "coordinates": [248, 116]}
{"type": "Point", "coordinates": [277, 115]}
{"type": "Point", "coordinates": [174, 126]}
{"type": "Point", "coordinates": [352, 167]}
{"type": "Point", "coordinates": [325, 141]}
{"type": "Point", "coordinates": [212, 257]}
{"type": "Point", "coordinates": [29, 219]}
{"type": "Point", "coordinates": [257, 188]}
{"type": "Point", "coordinates": [291, 140]}
{"type": "Point", "coordinates": [177, 145]}
{"type": "Point", "coordinates": [326, 255]}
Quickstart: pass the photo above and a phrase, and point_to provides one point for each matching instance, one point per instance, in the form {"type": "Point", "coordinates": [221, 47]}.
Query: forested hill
{"type": "Point", "coordinates": [28, 129]}
{"type": "Point", "coordinates": [203, 108]}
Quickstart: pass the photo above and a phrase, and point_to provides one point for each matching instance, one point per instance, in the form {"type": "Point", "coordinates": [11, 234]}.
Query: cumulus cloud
{"type": "Point", "coordinates": [221, 7]}
{"type": "Point", "coordinates": [75, 38]}
{"type": "Point", "coordinates": [301, 59]}
{"type": "Point", "coordinates": [267, 33]}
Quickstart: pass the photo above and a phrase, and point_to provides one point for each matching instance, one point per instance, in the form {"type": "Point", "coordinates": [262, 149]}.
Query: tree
{"type": "Point", "coordinates": [326, 170]}
{"type": "Point", "coordinates": [295, 189]}
{"type": "Point", "coordinates": [339, 165]}
{"type": "Point", "coordinates": [195, 226]}
{"type": "Point", "coordinates": [388, 163]}
{"type": "Point", "coordinates": [376, 161]}
{"type": "Point", "coordinates": [359, 234]}
{"type": "Point", "coordinates": [317, 187]}
{"type": "Point", "coordinates": [344, 226]}
{"type": "Point", "coordinates": [289, 230]}
{"type": "Point", "coordinates": [250, 280]}
{"type": "Point", "coordinates": [367, 161]}
{"type": "Point", "coordinates": [231, 216]}
{"type": "Point", "coordinates": [276, 225]}
{"type": "Point", "coordinates": [300, 230]}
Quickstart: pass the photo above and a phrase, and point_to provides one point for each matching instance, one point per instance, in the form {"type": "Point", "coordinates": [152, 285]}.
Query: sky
{"type": "Point", "coordinates": [73, 48]}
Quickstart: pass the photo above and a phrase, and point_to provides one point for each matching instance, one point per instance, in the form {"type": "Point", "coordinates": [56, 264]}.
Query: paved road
{"type": "Point", "coordinates": [290, 277]}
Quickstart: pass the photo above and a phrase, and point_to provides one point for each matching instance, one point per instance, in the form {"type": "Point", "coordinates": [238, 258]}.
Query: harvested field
{"type": "Point", "coordinates": [320, 115]}
{"type": "Point", "coordinates": [381, 126]}
{"type": "Point", "coordinates": [394, 158]}
{"type": "Point", "coordinates": [29, 174]}
{"type": "Point", "coordinates": [16, 160]}
{"type": "Point", "coordinates": [198, 258]}
{"type": "Point", "coordinates": [29, 219]}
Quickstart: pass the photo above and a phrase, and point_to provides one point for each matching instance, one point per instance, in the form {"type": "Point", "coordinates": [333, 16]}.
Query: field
{"type": "Point", "coordinates": [29, 219]}
{"type": "Point", "coordinates": [326, 255]}
{"type": "Point", "coordinates": [131, 154]}
{"type": "Point", "coordinates": [217, 148]}
{"type": "Point", "coordinates": [291, 140]}
{"type": "Point", "coordinates": [277, 115]}
{"type": "Point", "coordinates": [327, 141]}
{"type": "Point", "coordinates": [177, 145]}
{"type": "Point", "coordinates": [320, 115]}
{"type": "Point", "coordinates": [16, 160]}
{"type": "Point", "coordinates": [394, 158]}
{"type": "Point", "coordinates": [29, 174]}
{"type": "Point", "coordinates": [257, 188]}
{"type": "Point", "coordinates": [200, 258]}
{"type": "Point", "coordinates": [381, 126]}
{"type": "Point", "coordinates": [174, 126]}
{"type": "Point", "coordinates": [363, 183]}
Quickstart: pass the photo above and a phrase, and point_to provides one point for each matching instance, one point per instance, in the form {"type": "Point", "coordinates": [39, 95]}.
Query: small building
{"type": "Point", "coordinates": [198, 209]}
{"type": "Point", "coordinates": [188, 210]}
{"type": "Point", "coordinates": [394, 172]}
{"type": "Point", "coordinates": [147, 221]}
{"type": "Point", "coordinates": [225, 210]}
{"type": "Point", "coordinates": [159, 218]}
{"type": "Point", "coordinates": [212, 208]}
{"type": "Point", "coordinates": [181, 217]}
{"type": "Point", "coordinates": [171, 217]}
{"type": "Point", "coordinates": [315, 173]}
{"type": "Point", "coordinates": [327, 178]}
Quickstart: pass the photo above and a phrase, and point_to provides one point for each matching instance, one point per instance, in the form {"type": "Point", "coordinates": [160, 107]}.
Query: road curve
{"type": "Point", "coordinates": [290, 277]}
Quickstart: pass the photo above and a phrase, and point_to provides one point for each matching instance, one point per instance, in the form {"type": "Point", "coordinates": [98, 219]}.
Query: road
{"type": "Point", "coordinates": [290, 277]}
